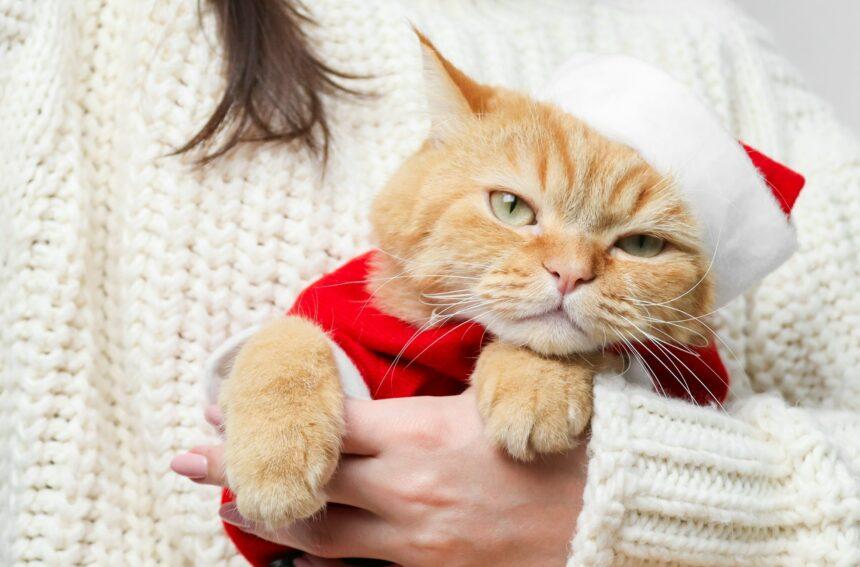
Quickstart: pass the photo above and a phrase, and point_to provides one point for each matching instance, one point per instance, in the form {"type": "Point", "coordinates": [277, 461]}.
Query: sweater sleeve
{"type": "Point", "coordinates": [774, 479]}
{"type": "Point", "coordinates": [767, 484]}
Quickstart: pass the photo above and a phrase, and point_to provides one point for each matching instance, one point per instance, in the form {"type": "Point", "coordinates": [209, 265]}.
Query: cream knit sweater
{"type": "Point", "coordinates": [121, 269]}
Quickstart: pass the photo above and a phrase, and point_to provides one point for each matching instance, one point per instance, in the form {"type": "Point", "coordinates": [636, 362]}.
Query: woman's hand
{"type": "Point", "coordinates": [420, 484]}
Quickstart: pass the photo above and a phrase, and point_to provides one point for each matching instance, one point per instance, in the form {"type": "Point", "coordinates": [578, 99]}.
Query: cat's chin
{"type": "Point", "coordinates": [552, 334]}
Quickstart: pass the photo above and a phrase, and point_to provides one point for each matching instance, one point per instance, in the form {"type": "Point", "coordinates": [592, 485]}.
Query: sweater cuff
{"type": "Point", "coordinates": [672, 482]}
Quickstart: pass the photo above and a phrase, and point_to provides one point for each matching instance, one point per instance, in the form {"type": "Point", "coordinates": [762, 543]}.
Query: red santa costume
{"type": "Point", "coordinates": [740, 198]}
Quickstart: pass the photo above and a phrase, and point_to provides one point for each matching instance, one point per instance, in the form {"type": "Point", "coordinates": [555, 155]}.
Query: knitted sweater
{"type": "Point", "coordinates": [122, 268]}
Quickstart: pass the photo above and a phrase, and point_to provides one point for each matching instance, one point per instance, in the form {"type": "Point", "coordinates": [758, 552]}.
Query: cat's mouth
{"type": "Point", "coordinates": [557, 315]}
{"type": "Point", "coordinates": [554, 331]}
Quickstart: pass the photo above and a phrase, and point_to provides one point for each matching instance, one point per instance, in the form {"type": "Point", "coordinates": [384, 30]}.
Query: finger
{"type": "Point", "coordinates": [338, 532]}
{"type": "Point", "coordinates": [204, 465]}
{"type": "Point", "coordinates": [214, 416]}
{"type": "Point", "coordinates": [354, 485]}
{"type": "Point", "coordinates": [363, 429]}
{"type": "Point", "coordinates": [373, 425]}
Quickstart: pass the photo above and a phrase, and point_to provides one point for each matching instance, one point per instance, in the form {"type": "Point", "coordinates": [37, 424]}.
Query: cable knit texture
{"type": "Point", "coordinates": [122, 268]}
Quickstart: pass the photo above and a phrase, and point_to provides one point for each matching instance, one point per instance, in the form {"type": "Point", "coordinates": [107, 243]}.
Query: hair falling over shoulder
{"type": "Point", "coordinates": [275, 82]}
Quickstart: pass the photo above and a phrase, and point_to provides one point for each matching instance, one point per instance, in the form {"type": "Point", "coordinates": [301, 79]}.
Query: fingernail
{"type": "Point", "coordinates": [231, 515]}
{"type": "Point", "coordinates": [190, 465]}
{"type": "Point", "coordinates": [302, 562]}
{"type": "Point", "coordinates": [213, 416]}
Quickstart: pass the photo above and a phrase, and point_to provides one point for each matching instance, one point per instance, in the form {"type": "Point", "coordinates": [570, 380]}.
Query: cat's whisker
{"type": "Point", "coordinates": [671, 341]}
{"type": "Point", "coordinates": [449, 294]}
{"type": "Point", "coordinates": [728, 348]}
{"type": "Point", "coordinates": [411, 271]}
{"type": "Point", "coordinates": [655, 326]}
{"type": "Point", "coordinates": [700, 320]}
{"type": "Point", "coordinates": [704, 340]}
{"type": "Point", "coordinates": [428, 347]}
{"type": "Point", "coordinates": [460, 290]}
{"type": "Point", "coordinates": [713, 332]}
{"type": "Point", "coordinates": [386, 280]}
{"type": "Point", "coordinates": [376, 290]}
{"type": "Point", "coordinates": [664, 349]}
{"type": "Point", "coordinates": [426, 325]}
{"type": "Point", "coordinates": [421, 330]}
{"type": "Point", "coordinates": [439, 315]}
{"type": "Point", "coordinates": [690, 317]}
{"type": "Point", "coordinates": [642, 360]}
{"type": "Point", "coordinates": [436, 303]}
{"type": "Point", "coordinates": [658, 343]}
{"type": "Point", "coordinates": [697, 377]}
{"type": "Point", "coordinates": [675, 323]}
{"type": "Point", "coordinates": [676, 374]}
{"type": "Point", "coordinates": [485, 305]}
{"type": "Point", "coordinates": [631, 350]}
{"type": "Point", "coordinates": [627, 360]}
{"type": "Point", "coordinates": [672, 373]}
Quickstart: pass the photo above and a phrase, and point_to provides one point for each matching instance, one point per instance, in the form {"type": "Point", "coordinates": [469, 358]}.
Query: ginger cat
{"type": "Point", "coordinates": [516, 215]}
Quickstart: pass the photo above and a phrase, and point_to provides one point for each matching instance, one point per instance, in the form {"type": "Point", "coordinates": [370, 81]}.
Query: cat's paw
{"type": "Point", "coordinates": [526, 421]}
{"type": "Point", "coordinates": [536, 408]}
{"type": "Point", "coordinates": [283, 422]}
{"type": "Point", "coordinates": [275, 486]}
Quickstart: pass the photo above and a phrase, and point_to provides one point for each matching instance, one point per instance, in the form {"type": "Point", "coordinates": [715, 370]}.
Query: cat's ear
{"type": "Point", "coordinates": [452, 96]}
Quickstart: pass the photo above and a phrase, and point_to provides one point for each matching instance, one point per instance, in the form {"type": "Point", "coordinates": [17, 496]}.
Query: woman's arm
{"type": "Point", "coordinates": [776, 480]}
{"type": "Point", "coordinates": [420, 484]}
{"type": "Point", "coordinates": [768, 484]}
{"type": "Point", "coordinates": [668, 481]}
{"type": "Point", "coordinates": [775, 477]}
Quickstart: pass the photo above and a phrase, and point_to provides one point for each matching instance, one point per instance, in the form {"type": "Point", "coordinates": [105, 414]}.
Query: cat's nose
{"type": "Point", "coordinates": [569, 275]}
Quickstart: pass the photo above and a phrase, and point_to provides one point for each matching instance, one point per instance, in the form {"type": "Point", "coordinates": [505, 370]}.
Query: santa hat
{"type": "Point", "coordinates": [740, 197]}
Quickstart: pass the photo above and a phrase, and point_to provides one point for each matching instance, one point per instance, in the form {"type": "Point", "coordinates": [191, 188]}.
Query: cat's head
{"type": "Point", "coordinates": [520, 217]}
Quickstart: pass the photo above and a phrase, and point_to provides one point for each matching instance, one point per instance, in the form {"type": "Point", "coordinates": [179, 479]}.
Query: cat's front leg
{"type": "Point", "coordinates": [283, 409]}
{"type": "Point", "coordinates": [532, 404]}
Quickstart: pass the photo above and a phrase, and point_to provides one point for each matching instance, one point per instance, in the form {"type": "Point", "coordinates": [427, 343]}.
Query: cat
{"type": "Point", "coordinates": [513, 215]}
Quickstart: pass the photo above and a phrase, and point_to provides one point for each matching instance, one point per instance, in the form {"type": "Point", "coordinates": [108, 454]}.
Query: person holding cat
{"type": "Point", "coordinates": [124, 268]}
{"type": "Point", "coordinates": [525, 286]}
{"type": "Point", "coordinates": [366, 520]}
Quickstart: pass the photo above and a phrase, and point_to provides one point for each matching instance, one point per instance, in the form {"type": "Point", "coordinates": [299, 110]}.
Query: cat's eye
{"type": "Point", "coordinates": [511, 209]}
{"type": "Point", "coordinates": [641, 245]}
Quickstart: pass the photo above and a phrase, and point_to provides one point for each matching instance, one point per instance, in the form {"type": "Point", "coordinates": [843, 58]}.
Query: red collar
{"type": "Point", "coordinates": [394, 357]}
{"type": "Point", "coordinates": [397, 359]}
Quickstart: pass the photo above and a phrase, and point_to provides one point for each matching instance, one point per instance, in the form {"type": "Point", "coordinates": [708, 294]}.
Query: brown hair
{"type": "Point", "coordinates": [275, 81]}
